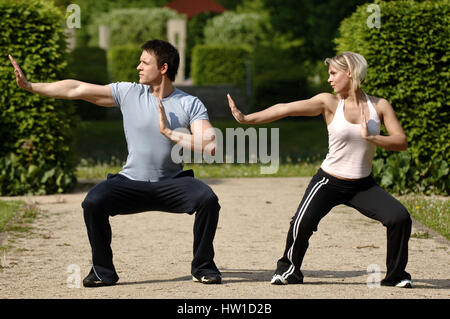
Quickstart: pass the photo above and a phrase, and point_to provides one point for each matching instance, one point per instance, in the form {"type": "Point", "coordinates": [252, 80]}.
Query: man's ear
{"type": "Point", "coordinates": [164, 68]}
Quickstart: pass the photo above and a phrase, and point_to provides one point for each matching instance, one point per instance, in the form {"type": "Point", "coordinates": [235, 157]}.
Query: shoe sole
{"type": "Point", "coordinates": [203, 280]}
{"type": "Point", "coordinates": [404, 284]}
{"type": "Point", "coordinates": [94, 284]}
{"type": "Point", "coordinates": [279, 280]}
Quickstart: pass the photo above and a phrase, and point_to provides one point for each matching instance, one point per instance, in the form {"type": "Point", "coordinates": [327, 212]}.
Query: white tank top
{"type": "Point", "coordinates": [349, 155]}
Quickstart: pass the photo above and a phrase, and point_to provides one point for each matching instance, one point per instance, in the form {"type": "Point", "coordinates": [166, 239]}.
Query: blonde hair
{"type": "Point", "coordinates": [353, 62]}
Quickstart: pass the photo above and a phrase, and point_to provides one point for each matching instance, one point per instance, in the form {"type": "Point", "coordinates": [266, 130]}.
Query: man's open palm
{"type": "Point", "coordinates": [20, 77]}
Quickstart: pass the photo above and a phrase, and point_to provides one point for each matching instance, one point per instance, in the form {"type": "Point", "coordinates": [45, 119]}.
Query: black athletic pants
{"type": "Point", "coordinates": [180, 194]}
{"type": "Point", "coordinates": [323, 193]}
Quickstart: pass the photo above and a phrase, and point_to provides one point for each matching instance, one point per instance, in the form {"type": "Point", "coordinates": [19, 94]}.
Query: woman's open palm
{"type": "Point", "coordinates": [235, 111]}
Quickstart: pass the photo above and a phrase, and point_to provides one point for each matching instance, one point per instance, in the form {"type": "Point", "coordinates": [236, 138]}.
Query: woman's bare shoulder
{"type": "Point", "coordinates": [326, 98]}
{"type": "Point", "coordinates": [380, 103]}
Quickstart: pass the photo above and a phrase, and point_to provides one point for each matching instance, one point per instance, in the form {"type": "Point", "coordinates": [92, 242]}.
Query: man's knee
{"type": "Point", "coordinates": [95, 200]}
{"type": "Point", "coordinates": [205, 197]}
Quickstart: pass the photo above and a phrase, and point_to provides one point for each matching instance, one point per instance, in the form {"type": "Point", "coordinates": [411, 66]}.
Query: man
{"type": "Point", "coordinates": [150, 179]}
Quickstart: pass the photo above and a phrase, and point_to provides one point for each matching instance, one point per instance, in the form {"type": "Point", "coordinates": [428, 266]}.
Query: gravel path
{"type": "Point", "coordinates": [152, 251]}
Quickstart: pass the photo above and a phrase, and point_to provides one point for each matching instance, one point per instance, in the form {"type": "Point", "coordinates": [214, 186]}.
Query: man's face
{"type": "Point", "coordinates": [149, 72]}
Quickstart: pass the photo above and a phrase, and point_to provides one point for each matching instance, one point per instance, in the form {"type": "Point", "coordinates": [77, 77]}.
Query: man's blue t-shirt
{"type": "Point", "coordinates": [149, 152]}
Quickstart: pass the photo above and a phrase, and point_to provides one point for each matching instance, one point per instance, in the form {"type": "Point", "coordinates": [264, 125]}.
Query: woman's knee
{"type": "Point", "coordinates": [400, 217]}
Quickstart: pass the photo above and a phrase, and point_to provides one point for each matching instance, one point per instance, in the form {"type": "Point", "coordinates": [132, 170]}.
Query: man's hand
{"type": "Point", "coordinates": [235, 111]}
{"type": "Point", "coordinates": [20, 77]}
{"type": "Point", "coordinates": [163, 123]}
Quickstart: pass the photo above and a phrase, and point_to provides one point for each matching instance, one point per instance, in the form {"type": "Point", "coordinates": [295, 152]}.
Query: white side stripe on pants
{"type": "Point", "coordinates": [302, 210]}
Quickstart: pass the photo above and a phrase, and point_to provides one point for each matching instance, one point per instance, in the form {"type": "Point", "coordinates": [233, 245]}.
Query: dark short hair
{"type": "Point", "coordinates": [165, 53]}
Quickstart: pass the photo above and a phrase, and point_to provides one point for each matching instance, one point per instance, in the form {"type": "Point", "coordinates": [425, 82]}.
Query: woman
{"type": "Point", "coordinates": [353, 119]}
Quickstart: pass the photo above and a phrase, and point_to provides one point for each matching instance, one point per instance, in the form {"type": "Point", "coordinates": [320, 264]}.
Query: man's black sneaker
{"type": "Point", "coordinates": [92, 280]}
{"type": "Point", "coordinates": [208, 279]}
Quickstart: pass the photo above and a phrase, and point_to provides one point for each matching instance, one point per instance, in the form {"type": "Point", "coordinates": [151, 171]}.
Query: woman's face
{"type": "Point", "coordinates": [339, 80]}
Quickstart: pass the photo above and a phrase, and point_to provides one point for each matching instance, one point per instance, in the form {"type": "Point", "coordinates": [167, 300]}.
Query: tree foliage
{"type": "Point", "coordinates": [238, 28]}
{"type": "Point", "coordinates": [133, 25]}
{"type": "Point", "coordinates": [35, 153]}
{"type": "Point", "coordinates": [408, 61]}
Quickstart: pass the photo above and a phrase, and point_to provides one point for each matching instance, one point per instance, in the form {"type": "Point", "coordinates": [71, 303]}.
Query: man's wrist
{"type": "Point", "coordinates": [169, 134]}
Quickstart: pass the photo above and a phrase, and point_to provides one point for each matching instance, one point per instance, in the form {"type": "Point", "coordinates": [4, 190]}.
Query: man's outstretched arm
{"type": "Point", "coordinates": [65, 89]}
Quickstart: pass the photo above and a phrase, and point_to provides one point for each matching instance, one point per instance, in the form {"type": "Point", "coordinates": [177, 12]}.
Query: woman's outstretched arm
{"type": "Point", "coordinates": [310, 107]}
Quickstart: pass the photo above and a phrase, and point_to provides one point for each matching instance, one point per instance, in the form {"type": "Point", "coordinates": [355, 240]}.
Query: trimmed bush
{"type": "Point", "coordinates": [279, 74]}
{"type": "Point", "coordinates": [88, 64]}
{"type": "Point", "coordinates": [123, 61]}
{"type": "Point", "coordinates": [408, 65]}
{"type": "Point", "coordinates": [35, 154]}
{"type": "Point", "coordinates": [238, 28]}
{"type": "Point", "coordinates": [219, 64]}
{"type": "Point", "coordinates": [195, 35]}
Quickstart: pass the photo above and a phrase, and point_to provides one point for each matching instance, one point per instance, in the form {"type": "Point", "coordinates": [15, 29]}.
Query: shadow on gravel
{"type": "Point", "coordinates": [259, 275]}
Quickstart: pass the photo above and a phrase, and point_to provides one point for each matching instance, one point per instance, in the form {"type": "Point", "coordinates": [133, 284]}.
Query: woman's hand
{"type": "Point", "coordinates": [238, 115]}
{"type": "Point", "coordinates": [364, 131]}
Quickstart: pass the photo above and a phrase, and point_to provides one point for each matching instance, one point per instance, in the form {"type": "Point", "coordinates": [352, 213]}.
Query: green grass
{"type": "Point", "coordinates": [15, 218]}
{"type": "Point", "coordinates": [16, 215]}
{"type": "Point", "coordinates": [433, 212]}
{"type": "Point", "coordinates": [8, 209]}
{"type": "Point", "coordinates": [252, 170]}
{"type": "Point", "coordinates": [99, 171]}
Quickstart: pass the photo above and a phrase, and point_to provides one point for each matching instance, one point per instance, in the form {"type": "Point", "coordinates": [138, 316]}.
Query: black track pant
{"type": "Point", "coordinates": [323, 193]}
{"type": "Point", "coordinates": [120, 195]}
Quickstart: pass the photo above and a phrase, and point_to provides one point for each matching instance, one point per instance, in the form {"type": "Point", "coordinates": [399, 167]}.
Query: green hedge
{"type": "Point", "coordinates": [408, 65]}
{"type": "Point", "coordinates": [122, 63]}
{"type": "Point", "coordinates": [195, 35]}
{"type": "Point", "coordinates": [233, 28]}
{"type": "Point", "coordinates": [35, 154]}
{"type": "Point", "coordinates": [214, 64]}
{"type": "Point", "coordinates": [88, 64]}
{"type": "Point", "coordinates": [279, 74]}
